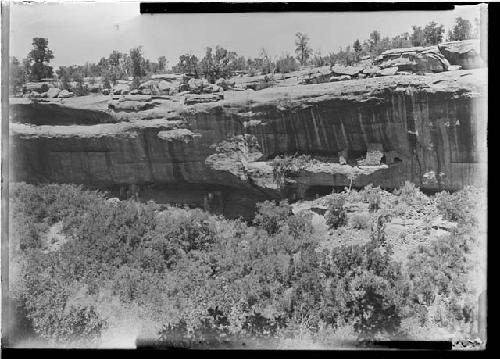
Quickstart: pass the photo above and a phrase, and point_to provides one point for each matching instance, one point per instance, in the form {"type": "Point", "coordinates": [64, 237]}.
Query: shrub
{"type": "Point", "coordinates": [409, 193]}
{"type": "Point", "coordinates": [372, 196]}
{"type": "Point", "coordinates": [364, 288]}
{"type": "Point", "coordinates": [438, 274]}
{"type": "Point", "coordinates": [336, 215]}
{"type": "Point", "coordinates": [460, 206]}
{"type": "Point", "coordinates": [374, 201]}
{"type": "Point", "coordinates": [360, 221]}
{"type": "Point", "coordinates": [271, 217]}
{"type": "Point", "coordinates": [286, 64]}
{"type": "Point", "coordinates": [205, 277]}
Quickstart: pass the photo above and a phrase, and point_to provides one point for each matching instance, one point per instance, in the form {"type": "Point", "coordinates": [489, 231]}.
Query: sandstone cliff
{"type": "Point", "coordinates": [428, 129]}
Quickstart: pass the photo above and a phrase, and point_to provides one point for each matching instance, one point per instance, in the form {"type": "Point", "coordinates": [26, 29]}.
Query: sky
{"type": "Point", "coordinates": [79, 32]}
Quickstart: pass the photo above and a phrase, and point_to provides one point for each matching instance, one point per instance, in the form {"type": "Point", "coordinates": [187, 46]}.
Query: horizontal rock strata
{"type": "Point", "coordinates": [426, 129]}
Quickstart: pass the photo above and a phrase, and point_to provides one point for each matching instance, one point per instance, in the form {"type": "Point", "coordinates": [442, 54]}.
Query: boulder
{"type": "Point", "coordinates": [105, 91]}
{"type": "Point", "coordinates": [165, 86]}
{"type": "Point", "coordinates": [136, 97]}
{"type": "Point", "coordinates": [346, 70]}
{"type": "Point", "coordinates": [135, 92]}
{"type": "Point", "coordinates": [191, 99]}
{"type": "Point", "coordinates": [65, 94]}
{"type": "Point", "coordinates": [151, 86]}
{"type": "Point", "coordinates": [195, 85]}
{"type": "Point", "coordinates": [38, 86]}
{"type": "Point", "coordinates": [365, 61]}
{"type": "Point", "coordinates": [168, 77]}
{"type": "Point", "coordinates": [225, 84]}
{"type": "Point", "coordinates": [454, 67]}
{"type": "Point", "coordinates": [148, 84]}
{"type": "Point", "coordinates": [402, 63]}
{"type": "Point", "coordinates": [53, 92]}
{"type": "Point", "coordinates": [212, 88]}
{"type": "Point", "coordinates": [389, 71]}
{"type": "Point", "coordinates": [94, 88]}
{"type": "Point", "coordinates": [43, 94]}
{"type": "Point", "coordinates": [340, 78]}
{"type": "Point", "coordinates": [260, 84]}
{"type": "Point", "coordinates": [183, 87]}
{"type": "Point", "coordinates": [255, 83]}
{"type": "Point", "coordinates": [414, 59]}
{"type": "Point", "coordinates": [121, 88]}
{"type": "Point", "coordinates": [130, 105]}
{"type": "Point", "coordinates": [315, 78]}
{"type": "Point", "coordinates": [371, 71]}
{"type": "Point", "coordinates": [462, 53]}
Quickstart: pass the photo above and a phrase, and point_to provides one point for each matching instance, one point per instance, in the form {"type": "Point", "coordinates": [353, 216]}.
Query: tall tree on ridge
{"type": "Point", "coordinates": [302, 48]}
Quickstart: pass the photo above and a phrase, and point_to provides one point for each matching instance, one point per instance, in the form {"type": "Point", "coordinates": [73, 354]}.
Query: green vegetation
{"type": "Point", "coordinates": [195, 276]}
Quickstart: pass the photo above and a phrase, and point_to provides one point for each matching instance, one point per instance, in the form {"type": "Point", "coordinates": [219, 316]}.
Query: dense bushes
{"type": "Point", "coordinates": [202, 277]}
{"type": "Point", "coordinates": [460, 206]}
{"type": "Point", "coordinates": [439, 275]}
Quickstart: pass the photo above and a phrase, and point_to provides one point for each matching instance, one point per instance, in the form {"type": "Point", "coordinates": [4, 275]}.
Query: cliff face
{"type": "Point", "coordinates": [428, 129]}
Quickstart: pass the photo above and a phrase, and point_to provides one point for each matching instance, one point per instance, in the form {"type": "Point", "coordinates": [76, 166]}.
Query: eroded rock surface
{"type": "Point", "coordinates": [465, 54]}
{"type": "Point", "coordinates": [382, 131]}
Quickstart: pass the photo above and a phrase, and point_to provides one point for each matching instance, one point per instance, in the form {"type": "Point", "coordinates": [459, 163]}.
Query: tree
{"type": "Point", "coordinates": [137, 62]}
{"type": "Point", "coordinates": [433, 34]}
{"type": "Point", "coordinates": [64, 77]}
{"type": "Point", "coordinates": [187, 64]}
{"type": "Point", "coordinates": [336, 216]}
{"type": "Point", "coordinates": [461, 31]}
{"type": "Point", "coordinates": [162, 63]}
{"type": "Point", "coordinates": [357, 46]}
{"type": "Point", "coordinates": [401, 41]}
{"type": "Point", "coordinates": [220, 64]}
{"type": "Point", "coordinates": [374, 38]}
{"type": "Point", "coordinates": [302, 48]}
{"type": "Point", "coordinates": [207, 64]}
{"type": "Point", "coordinates": [114, 58]}
{"type": "Point", "coordinates": [39, 57]}
{"type": "Point", "coordinates": [266, 61]}
{"type": "Point", "coordinates": [223, 62]}
{"type": "Point", "coordinates": [417, 37]}
{"type": "Point", "coordinates": [376, 45]}
{"type": "Point", "coordinates": [239, 64]}
{"type": "Point", "coordinates": [345, 57]}
{"type": "Point", "coordinates": [318, 60]}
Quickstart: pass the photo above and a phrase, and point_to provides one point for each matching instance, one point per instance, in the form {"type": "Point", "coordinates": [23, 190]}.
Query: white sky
{"type": "Point", "coordinates": [80, 32]}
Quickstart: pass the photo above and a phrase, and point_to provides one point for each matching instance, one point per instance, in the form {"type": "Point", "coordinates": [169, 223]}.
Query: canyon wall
{"type": "Point", "coordinates": [429, 129]}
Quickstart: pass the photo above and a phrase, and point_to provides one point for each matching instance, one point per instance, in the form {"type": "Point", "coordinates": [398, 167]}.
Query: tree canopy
{"type": "Point", "coordinates": [39, 58]}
